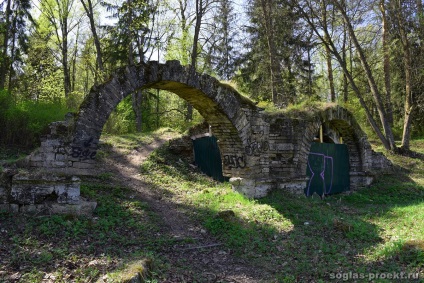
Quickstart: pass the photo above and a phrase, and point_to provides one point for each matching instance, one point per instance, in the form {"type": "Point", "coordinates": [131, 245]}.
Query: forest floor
{"type": "Point", "coordinates": [156, 210]}
{"type": "Point", "coordinates": [194, 254]}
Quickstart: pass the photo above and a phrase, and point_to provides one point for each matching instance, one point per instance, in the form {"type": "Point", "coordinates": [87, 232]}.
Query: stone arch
{"type": "Point", "coordinates": [260, 150]}
{"type": "Point", "coordinates": [221, 106]}
{"type": "Point", "coordinates": [339, 120]}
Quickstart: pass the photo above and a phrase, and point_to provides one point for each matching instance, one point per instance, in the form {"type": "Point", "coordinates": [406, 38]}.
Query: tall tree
{"type": "Point", "coordinates": [130, 39]}
{"type": "Point", "coordinates": [407, 29]}
{"type": "Point", "coordinates": [312, 14]}
{"type": "Point", "coordinates": [6, 32]}
{"type": "Point", "coordinates": [268, 15]}
{"type": "Point", "coordinates": [274, 61]}
{"type": "Point", "coordinates": [42, 75]}
{"type": "Point", "coordinates": [385, 41]}
{"type": "Point", "coordinates": [328, 57]}
{"type": "Point", "coordinates": [89, 10]}
{"type": "Point", "coordinates": [13, 35]}
{"type": "Point", "coordinates": [63, 18]}
{"type": "Point", "coordinates": [223, 51]}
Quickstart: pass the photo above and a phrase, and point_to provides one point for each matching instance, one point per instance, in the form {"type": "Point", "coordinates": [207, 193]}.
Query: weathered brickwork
{"type": "Point", "coordinates": [260, 151]}
{"type": "Point", "coordinates": [38, 192]}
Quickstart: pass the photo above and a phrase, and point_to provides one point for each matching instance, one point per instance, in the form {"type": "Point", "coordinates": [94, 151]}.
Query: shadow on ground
{"type": "Point", "coordinates": [196, 230]}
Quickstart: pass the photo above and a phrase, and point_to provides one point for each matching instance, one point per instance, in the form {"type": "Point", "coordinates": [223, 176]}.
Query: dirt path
{"type": "Point", "coordinates": [203, 258]}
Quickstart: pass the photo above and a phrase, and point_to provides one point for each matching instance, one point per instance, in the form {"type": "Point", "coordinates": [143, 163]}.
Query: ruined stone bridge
{"type": "Point", "coordinates": [260, 151]}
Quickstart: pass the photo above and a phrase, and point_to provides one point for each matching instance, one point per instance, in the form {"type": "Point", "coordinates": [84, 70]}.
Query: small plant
{"type": "Point", "coordinates": [105, 176]}
{"type": "Point", "coordinates": [33, 276]}
{"type": "Point", "coordinates": [44, 257]}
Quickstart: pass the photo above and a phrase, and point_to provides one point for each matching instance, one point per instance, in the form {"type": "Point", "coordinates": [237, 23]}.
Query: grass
{"type": "Point", "coordinates": [376, 229]}
{"type": "Point", "coordinates": [297, 239]}
{"type": "Point", "coordinates": [127, 143]}
{"type": "Point", "coordinates": [80, 249]}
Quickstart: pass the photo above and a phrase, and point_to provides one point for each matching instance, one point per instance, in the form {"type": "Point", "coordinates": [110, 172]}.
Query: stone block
{"type": "Point", "coordinates": [36, 188]}
{"type": "Point", "coordinates": [285, 146]}
{"type": "Point", "coordinates": [262, 188]}
{"type": "Point", "coordinates": [31, 208]}
{"type": "Point", "coordinates": [4, 207]}
{"type": "Point", "coordinates": [51, 143]}
{"type": "Point", "coordinates": [47, 149]}
{"type": "Point", "coordinates": [265, 170]}
{"type": "Point", "coordinates": [60, 157]}
{"type": "Point", "coordinates": [69, 193]}
{"type": "Point", "coordinates": [243, 186]}
{"type": "Point", "coordinates": [14, 208]}
{"type": "Point", "coordinates": [59, 164]}
{"type": "Point", "coordinates": [82, 165]}
{"type": "Point", "coordinates": [30, 193]}
{"type": "Point", "coordinates": [293, 186]}
{"type": "Point", "coordinates": [37, 157]}
{"type": "Point", "coordinates": [252, 188]}
{"type": "Point", "coordinates": [50, 156]}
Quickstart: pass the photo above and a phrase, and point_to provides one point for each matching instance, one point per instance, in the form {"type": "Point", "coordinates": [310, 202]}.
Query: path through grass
{"type": "Point", "coordinates": [377, 230]}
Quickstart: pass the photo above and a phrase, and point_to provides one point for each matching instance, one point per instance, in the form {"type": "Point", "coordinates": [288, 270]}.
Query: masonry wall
{"type": "Point", "coordinates": [260, 151]}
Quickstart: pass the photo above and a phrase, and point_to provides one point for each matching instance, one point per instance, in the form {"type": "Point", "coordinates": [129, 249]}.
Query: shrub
{"type": "Point", "coordinates": [23, 123]}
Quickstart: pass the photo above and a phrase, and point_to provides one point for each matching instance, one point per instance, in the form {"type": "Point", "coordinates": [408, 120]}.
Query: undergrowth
{"type": "Point", "coordinates": [297, 239]}
{"type": "Point", "coordinates": [374, 230]}
{"type": "Point", "coordinates": [22, 123]}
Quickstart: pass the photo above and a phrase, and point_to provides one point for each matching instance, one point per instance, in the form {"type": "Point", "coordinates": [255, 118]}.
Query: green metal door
{"type": "Point", "coordinates": [208, 157]}
{"type": "Point", "coordinates": [327, 169]}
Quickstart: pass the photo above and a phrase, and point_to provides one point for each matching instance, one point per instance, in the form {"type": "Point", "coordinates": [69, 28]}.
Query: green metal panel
{"type": "Point", "coordinates": [327, 169]}
{"type": "Point", "coordinates": [208, 157]}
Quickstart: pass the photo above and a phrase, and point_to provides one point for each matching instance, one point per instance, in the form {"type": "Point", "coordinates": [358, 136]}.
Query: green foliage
{"type": "Point", "coordinates": [172, 111]}
{"type": "Point", "coordinates": [24, 122]}
{"type": "Point", "coordinates": [121, 120]}
{"type": "Point", "coordinates": [274, 60]}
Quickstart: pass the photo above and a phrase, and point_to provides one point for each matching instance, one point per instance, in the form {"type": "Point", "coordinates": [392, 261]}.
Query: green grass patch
{"type": "Point", "coordinates": [297, 239]}
{"type": "Point", "coordinates": [80, 249]}
{"type": "Point", "coordinates": [376, 229]}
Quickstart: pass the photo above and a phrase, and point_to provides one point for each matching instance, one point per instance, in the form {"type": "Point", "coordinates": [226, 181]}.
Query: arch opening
{"type": "Point", "coordinates": [335, 154]}
{"type": "Point", "coordinates": [220, 105]}
{"type": "Point", "coordinates": [260, 151]}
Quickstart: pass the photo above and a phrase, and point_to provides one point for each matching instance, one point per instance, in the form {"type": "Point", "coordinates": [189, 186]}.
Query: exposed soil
{"type": "Point", "coordinates": [202, 258]}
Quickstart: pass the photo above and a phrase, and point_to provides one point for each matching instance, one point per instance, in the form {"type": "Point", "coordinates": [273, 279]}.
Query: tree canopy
{"type": "Point", "coordinates": [365, 54]}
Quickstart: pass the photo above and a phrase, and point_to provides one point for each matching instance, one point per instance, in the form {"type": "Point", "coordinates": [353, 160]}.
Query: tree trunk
{"type": "Point", "coordinates": [344, 58]}
{"type": "Point", "coordinates": [370, 78]}
{"type": "Point", "coordinates": [137, 102]}
{"type": "Point", "coordinates": [274, 65]}
{"type": "Point", "coordinates": [407, 60]}
{"type": "Point", "coordinates": [328, 54]}
{"type": "Point", "coordinates": [386, 63]}
{"type": "Point", "coordinates": [88, 7]}
{"type": "Point", "coordinates": [74, 61]}
{"type": "Point", "coordinates": [12, 53]}
{"type": "Point", "coordinates": [194, 53]}
{"type": "Point", "coordinates": [330, 44]}
{"type": "Point", "coordinates": [137, 96]}
{"type": "Point", "coordinates": [4, 59]}
{"type": "Point", "coordinates": [63, 19]}
{"type": "Point", "coordinates": [65, 64]}
{"type": "Point", "coordinates": [330, 75]}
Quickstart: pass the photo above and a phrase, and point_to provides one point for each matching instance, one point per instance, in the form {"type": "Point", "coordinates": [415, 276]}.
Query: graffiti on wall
{"type": "Point", "coordinates": [256, 147]}
{"type": "Point", "coordinates": [321, 169]}
{"type": "Point", "coordinates": [84, 151]}
{"type": "Point", "coordinates": [234, 161]}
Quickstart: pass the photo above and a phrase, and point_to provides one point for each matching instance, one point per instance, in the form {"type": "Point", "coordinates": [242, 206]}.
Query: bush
{"type": "Point", "coordinates": [23, 123]}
